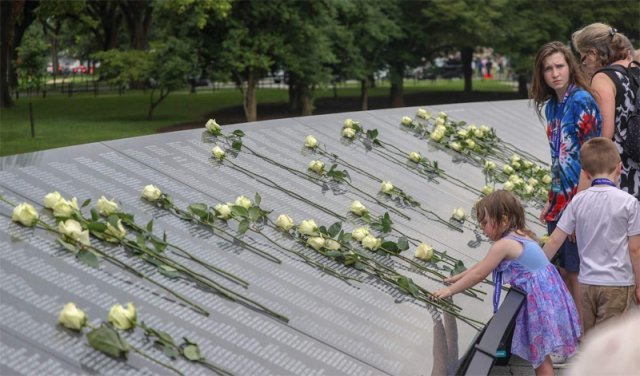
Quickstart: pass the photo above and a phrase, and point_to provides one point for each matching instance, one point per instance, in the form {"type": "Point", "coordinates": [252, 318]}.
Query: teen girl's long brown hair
{"type": "Point", "coordinates": [540, 92]}
{"type": "Point", "coordinates": [502, 206]}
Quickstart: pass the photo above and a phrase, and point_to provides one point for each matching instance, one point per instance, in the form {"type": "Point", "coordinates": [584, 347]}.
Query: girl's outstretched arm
{"type": "Point", "coordinates": [475, 275]}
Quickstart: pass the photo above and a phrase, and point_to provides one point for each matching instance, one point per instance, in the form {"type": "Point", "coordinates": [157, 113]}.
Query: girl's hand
{"type": "Point", "coordinates": [442, 293]}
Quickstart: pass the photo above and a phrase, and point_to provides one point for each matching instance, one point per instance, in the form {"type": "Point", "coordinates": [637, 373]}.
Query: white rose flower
{"type": "Point", "coordinates": [218, 153]}
{"type": "Point", "coordinates": [371, 242]}
{"type": "Point", "coordinates": [316, 242]}
{"type": "Point", "coordinates": [357, 208]}
{"type": "Point", "coordinates": [151, 193]}
{"type": "Point", "coordinates": [106, 207]}
{"type": "Point", "coordinates": [528, 189]}
{"type": "Point", "coordinates": [455, 146]}
{"type": "Point", "coordinates": [422, 113]}
{"type": "Point", "coordinates": [514, 158]}
{"type": "Point", "coordinates": [359, 233]}
{"type": "Point", "coordinates": [212, 126]}
{"type": "Point", "coordinates": [546, 179]}
{"type": "Point", "coordinates": [72, 317]}
{"type": "Point", "coordinates": [406, 121]}
{"type": "Point", "coordinates": [284, 222]}
{"type": "Point", "coordinates": [442, 115]}
{"type": "Point", "coordinates": [123, 318]}
{"type": "Point", "coordinates": [73, 229]}
{"type": "Point", "coordinates": [437, 135]}
{"type": "Point", "coordinates": [310, 142]}
{"type": "Point", "coordinates": [223, 210]}
{"type": "Point", "coordinates": [51, 199]}
{"type": "Point", "coordinates": [415, 156]}
{"type": "Point", "coordinates": [316, 166]}
{"type": "Point", "coordinates": [308, 227]}
{"type": "Point", "coordinates": [516, 165]}
{"type": "Point", "coordinates": [25, 214]}
{"type": "Point", "coordinates": [115, 234]}
{"type": "Point", "coordinates": [509, 186]}
{"type": "Point", "coordinates": [515, 179]}
{"type": "Point", "coordinates": [527, 164]}
{"type": "Point", "coordinates": [533, 182]}
{"type": "Point", "coordinates": [470, 143]}
{"type": "Point", "coordinates": [349, 123]}
{"type": "Point", "coordinates": [472, 128]}
{"type": "Point", "coordinates": [478, 133]}
{"type": "Point", "coordinates": [440, 121]}
{"type": "Point", "coordinates": [489, 165]}
{"type": "Point", "coordinates": [331, 245]}
{"type": "Point", "coordinates": [462, 133]}
{"type": "Point", "coordinates": [543, 192]}
{"type": "Point", "coordinates": [424, 252]}
{"type": "Point", "coordinates": [64, 208]}
{"type": "Point", "coordinates": [485, 129]}
{"type": "Point", "coordinates": [487, 189]}
{"type": "Point", "coordinates": [507, 169]}
{"type": "Point", "coordinates": [348, 133]}
{"type": "Point", "coordinates": [458, 213]}
{"type": "Point", "coordinates": [535, 169]}
{"type": "Point", "coordinates": [244, 202]}
{"type": "Point", "coordinates": [386, 187]}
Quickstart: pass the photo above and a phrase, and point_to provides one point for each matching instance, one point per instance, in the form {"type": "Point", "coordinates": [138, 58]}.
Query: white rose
{"type": "Point", "coordinates": [51, 199]}
{"type": "Point", "coordinates": [546, 179]}
{"type": "Point", "coordinates": [106, 207]}
{"type": "Point", "coordinates": [440, 121]}
{"type": "Point", "coordinates": [406, 121]}
{"type": "Point", "coordinates": [421, 113]}
{"type": "Point", "coordinates": [348, 133]}
{"type": "Point", "coordinates": [509, 186]}
{"type": "Point", "coordinates": [437, 135]}
{"type": "Point", "coordinates": [458, 213]}
{"type": "Point", "coordinates": [415, 156]}
{"type": "Point", "coordinates": [316, 242]}
{"type": "Point", "coordinates": [64, 208]}
{"type": "Point", "coordinates": [72, 317]}
{"type": "Point", "coordinates": [489, 165]}
{"type": "Point", "coordinates": [212, 126]}
{"type": "Point", "coordinates": [515, 179]}
{"type": "Point", "coordinates": [527, 164]}
{"type": "Point", "coordinates": [310, 142]}
{"type": "Point", "coordinates": [386, 187]}
{"type": "Point", "coordinates": [223, 210]}
{"type": "Point", "coordinates": [308, 227]}
{"type": "Point", "coordinates": [442, 115]}
{"type": "Point", "coordinates": [243, 201]}
{"type": "Point", "coordinates": [535, 169]}
{"type": "Point", "coordinates": [218, 153]}
{"type": "Point", "coordinates": [316, 166]}
{"type": "Point", "coordinates": [470, 143]}
{"type": "Point", "coordinates": [25, 214]}
{"type": "Point", "coordinates": [533, 182]}
{"type": "Point", "coordinates": [123, 318]}
{"type": "Point", "coordinates": [528, 189]}
{"type": "Point", "coordinates": [515, 158]}
{"type": "Point", "coordinates": [357, 208]}
{"type": "Point", "coordinates": [349, 123]}
{"type": "Point", "coordinates": [516, 165]}
{"type": "Point", "coordinates": [507, 169]}
{"type": "Point", "coordinates": [485, 129]}
{"type": "Point", "coordinates": [115, 234]}
{"type": "Point", "coordinates": [331, 245]}
{"type": "Point", "coordinates": [359, 233]}
{"type": "Point", "coordinates": [424, 252]}
{"type": "Point", "coordinates": [462, 133]}
{"type": "Point", "coordinates": [73, 229]}
{"type": "Point", "coordinates": [455, 146]}
{"type": "Point", "coordinates": [487, 189]}
{"type": "Point", "coordinates": [371, 242]}
{"type": "Point", "coordinates": [284, 222]}
{"type": "Point", "coordinates": [478, 133]}
{"type": "Point", "coordinates": [151, 193]}
{"type": "Point", "coordinates": [472, 128]}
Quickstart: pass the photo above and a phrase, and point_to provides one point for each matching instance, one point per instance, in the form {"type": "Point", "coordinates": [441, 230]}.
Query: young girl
{"type": "Point", "coordinates": [548, 321]}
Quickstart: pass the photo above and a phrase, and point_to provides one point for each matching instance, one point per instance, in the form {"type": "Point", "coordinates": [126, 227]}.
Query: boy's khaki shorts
{"type": "Point", "coordinates": [600, 303]}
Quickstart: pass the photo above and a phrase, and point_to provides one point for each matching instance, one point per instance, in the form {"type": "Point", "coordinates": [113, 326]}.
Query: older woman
{"type": "Point", "coordinates": [602, 46]}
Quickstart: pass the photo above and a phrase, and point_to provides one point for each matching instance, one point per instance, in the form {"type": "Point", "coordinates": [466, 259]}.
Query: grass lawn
{"type": "Point", "coordinates": [62, 121]}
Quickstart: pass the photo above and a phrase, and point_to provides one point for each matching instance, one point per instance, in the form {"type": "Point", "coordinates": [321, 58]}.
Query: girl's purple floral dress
{"type": "Point", "coordinates": [548, 321]}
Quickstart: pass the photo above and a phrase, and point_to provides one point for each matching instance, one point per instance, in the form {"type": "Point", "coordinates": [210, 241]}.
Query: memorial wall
{"type": "Point", "coordinates": [254, 298]}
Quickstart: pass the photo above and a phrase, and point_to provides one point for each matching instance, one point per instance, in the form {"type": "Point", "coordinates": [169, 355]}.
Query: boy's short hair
{"type": "Point", "coordinates": [599, 156]}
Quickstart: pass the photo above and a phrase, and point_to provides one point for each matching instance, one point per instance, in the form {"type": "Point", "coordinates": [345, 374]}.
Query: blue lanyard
{"type": "Point", "coordinates": [599, 181]}
{"type": "Point", "coordinates": [497, 288]}
{"type": "Point", "coordinates": [556, 123]}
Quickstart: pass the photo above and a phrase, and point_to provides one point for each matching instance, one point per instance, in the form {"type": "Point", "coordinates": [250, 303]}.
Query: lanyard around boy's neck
{"type": "Point", "coordinates": [556, 125]}
{"type": "Point", "coordinates": [602, 181]}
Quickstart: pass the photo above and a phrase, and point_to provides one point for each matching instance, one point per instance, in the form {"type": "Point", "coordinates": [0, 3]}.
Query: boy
{"type": "Point", "coordinates": [607, 225]}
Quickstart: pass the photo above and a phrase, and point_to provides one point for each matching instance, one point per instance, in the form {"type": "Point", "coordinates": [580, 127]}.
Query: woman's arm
{"type": "Point", "coordinates": [605, 96]}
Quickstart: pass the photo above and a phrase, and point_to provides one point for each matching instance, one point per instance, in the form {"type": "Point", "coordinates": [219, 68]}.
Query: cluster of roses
{"type": "Point", "coordinates": [350, 128]}
{"type": "Point", "coordinates": [520, 176]}
{"type": "Point", "coordinates": [120, 317]}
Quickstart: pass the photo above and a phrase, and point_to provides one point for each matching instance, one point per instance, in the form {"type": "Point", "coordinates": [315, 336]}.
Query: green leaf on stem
{"type": "Point", "coordinates": [407, 285]}
{"type": "Point", "coordinates": [332, 254]}
{"type": "Point", "coordinates": [236, 145]}
{"type": "Point", "coordinates": [89, 258]}
{"type": "Point", "coordinates": [108, 341]}
{"type": "Point", "coordinates": [257, 199]}
{"type": "Point", "coordinates": [113, 220]}
{"type": "Point", "coordinates": [403, 243]}
{"type": "Point", "coordinates": [94, 214]}
{"type": "Point", "coordinates": [334, 229]}
{"type": "Point", "coordinates": [254, 214]}
{"type": "Point", "coordinates": [85, 203]}
{"type": "Point", "coordinates": [345, 238]}
{"type": "Point", "coordinates": [359, 265]}
{"type": "Point", "coordinates": [390, 246]}
{"type": "Point", "coordinates": [198, 209]}
{"type": "Point", "coordinates": [372, 134]}
{"type": "Point", "coordinates": [386, 223]}
{"type": "Point", "coordinates": [323, 230]}
{"type": "Point", "coordinates": [238, 133]}
{"type": "Point", "coordinates": [239, 211]}
{"type": "Point", "coordinates": [168, 271]}
{"type": "Point", "coordinates": [191, 351]}
{"type": "Point", "coordinates": [243, 226]}
{"type": "Point", "coordinates": [96, 227]}
{"type": "Point", "coordinates": [150, 226]}
{"type": "Point", "coordinates": [458, 268]}
{"type": "Point", "coordinates": [68, 246]}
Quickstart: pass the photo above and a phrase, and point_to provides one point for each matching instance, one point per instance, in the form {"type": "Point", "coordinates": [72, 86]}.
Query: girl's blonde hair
{"type": "Point", "coordinates": [609, 44]}
{"type": "Point", "coordinates": [503, 207]}
{"type": "Point", "coordinates": [540, 92]}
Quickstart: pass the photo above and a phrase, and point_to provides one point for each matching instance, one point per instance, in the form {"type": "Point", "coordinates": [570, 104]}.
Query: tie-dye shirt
{"type": "Point", "coordinates": [570, 123]}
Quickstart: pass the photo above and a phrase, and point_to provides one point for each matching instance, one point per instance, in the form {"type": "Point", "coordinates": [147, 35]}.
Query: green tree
{"type": "Point", "coordinates": [31, 64]}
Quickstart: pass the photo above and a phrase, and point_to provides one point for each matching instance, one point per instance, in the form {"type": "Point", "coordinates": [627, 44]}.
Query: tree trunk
{"type": "Point", "coordinates": [305, 104]}
{"type": "Point", "coordinates": [109, 15]}
{"type": "Point", "coordinates": [250, 102]}
{"type": "Point", "coordinates": [396, 75]}
{"type": "Point", "coordinates": [467, 59]}
{"type": "Point", "coordinates": [8, 17]}
{"type": "Point", "coordinates": [138, 14]}
{"type": "Point", "coordinates": [364, 94]}
{"type": "Point", "coordinates": [294, 94]}
{"type": "Point", "coordinates": [522, 85]}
